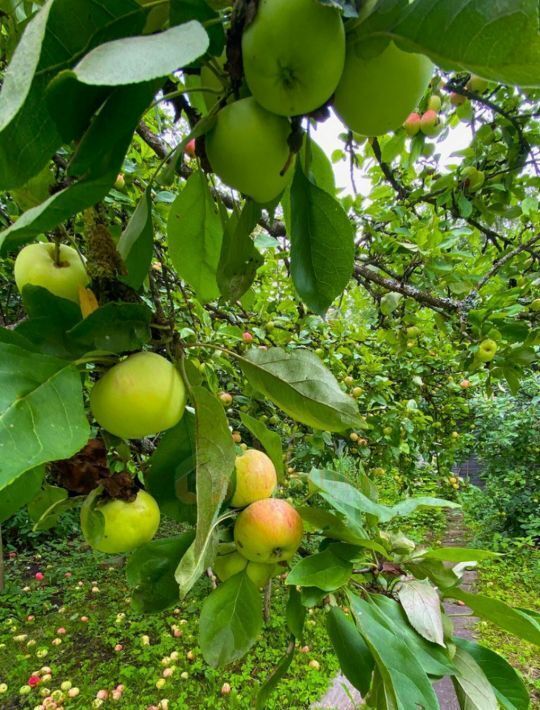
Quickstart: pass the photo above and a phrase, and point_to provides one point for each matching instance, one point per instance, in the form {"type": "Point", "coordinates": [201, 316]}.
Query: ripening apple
{"type": "Point", "coordinates": [268, 531]}
{"type": "Point", "coordinates": [457, 99]}
{"type": "Point", "coordinates": [225, 398]}
{"type": "Point", "coordinates": [487, 350]}
{"type": "Point", "coordinates": [293, 55]}
{"type": "Point", "coordinates": [190, 148]}
{"type": "Point", "coordinates": [429, 123]}
{"type": "Point", "coordinates": [120, 182]}
{"type": "Point", "coordinates": [247, 148]}
{"type": "Point", "coordinates": [126, 525]}
{"type": "Point", "coordinates": [36, 265]}
{"type": "Point", "coordinates": [465, 384]}
{"type": "Point", "coordinates": [255, 478]}
{"type": "Point", "coordinates": [377, 93]}
{"type": "Point", "coordinates": [141, 395]}
{"type": "Point", "coordinates": [247, 337]}
{"type": "Point", "coordinates": [412, 124]}
{"type": "Point", "coordinates": [473, 179]}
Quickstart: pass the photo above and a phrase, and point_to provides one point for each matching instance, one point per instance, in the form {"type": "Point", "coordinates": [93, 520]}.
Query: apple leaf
{"type": "Point", "coordinates": [135, 245]}
{"type": "Point", "coordinates": [20, 492]}
{"type": "Point", "coordinates": [301, 386]}
{"type": "Point", "coordinates": [48, 505]}
{"type": "Point", "coordinates": [322, 244]}
{"type": "Point", "coordinates": [194, 235]}
{"type": "Point", "coordinates": [230, 621]}
{"type": "Point", "coordinates": [114, 328]}
{"type": "Point", "coordinates": [184, 10]}
{"type": "Point", "coordinates": [354, 656]}
{"type": "Point", "coordinates": [270, 440]}
{"type": "Point", "coordinates": [239, 259]}
{"type": "Point", "coordinates": [138, 59]}
{"type": "Point", "coordinates": [150, 573]}
{"type": "Point", "coordinates": [215, 457]}
{"type": "Point", "coordinates": [271, 683]}
{"type": "Point", "coordinates": [473, 689]}
{"type": "Point", "coordinates": [459, 554]}
{"type": "Point", "coordinates": [505, 681]}
{"type": "Point", "coordinates": [170, 477]}
{"type": "Point", "coordinates": [323, 570]}
{"type": "Point", "coordinates": [422, 605]}
{"type": "Point", "coordinates": [42, 416]}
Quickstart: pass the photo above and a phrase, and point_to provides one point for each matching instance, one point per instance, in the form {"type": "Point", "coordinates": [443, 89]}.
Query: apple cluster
{"type": "Point", "coordinates": [296, 59]}
{"type": "Point", "coordinates": [267, 531]}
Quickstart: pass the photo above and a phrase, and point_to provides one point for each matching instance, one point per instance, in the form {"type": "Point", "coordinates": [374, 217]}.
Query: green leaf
{"type": "Point", "coordinates": [270, 440]}
{"type": "Point", "coordinates": [56, 209]}
{"type": "Point", "coordinates": [114, 327]}
{"type": "Point", "coordinates": [389, 303]}
{"type": "Point", "coordinates": [409, 505]}
{"type": "Point", "coordinates": [499, 41]}
{"type": "Point", "coordinates": [353, 654]}
{"type": "Point", "coordinates": [48, 505]}
{"type": "Point", "coordinates": [135, 245]}
{"type": "Point", "coordinates": [170, 477]}
{"type": "Point", "coordinates": [194, 236]}
{"type": "Point", "coordinates": [295, 614]}
{"type": "Point", "coordinates": [434, 570]}
{"type": "Point", "coordinates": [405, 681]}
{"type": "Point", "coordinates": [505, 681]}
{"type": "Point", "coordinates": [20, 492]}
{"type": "Point", "coordinates": [271, 683]}
{"type": "Point", "coordinates": [322, 244]}
{"type": "Point", "coordinates": [422, 605]}
{"type": "Point", "coordinates": [459, 554]}
{"type": "Point", "coordinates": [473, 689]}
{"type": "Point", "coordinates": [184, 10]}
{"type": "Point", "coordinates": [334, 526]}
{"type": "Point", "coordinates": [215, 456]}
{"type": "Point", "coordinates": [434, 659]}
{"type": "Point", "coordinates": [324, 570]}
{"type": "Point", "coordinates": [239, 259]}
{"type": "Point", "coordinates": [42, 416]}
{"type": "Point", "coordinates": [301, 386]}
{"type": "Point", "coordinates": [230, 621]}
{"type": "Point", "coordinates": [138, 59]}
{"type": "Point", "coordinates": [150, 573]}
{"type": "Point", "coordinates": [511, 620]}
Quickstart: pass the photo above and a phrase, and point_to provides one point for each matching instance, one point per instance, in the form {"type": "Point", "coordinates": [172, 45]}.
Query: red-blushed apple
{"type": "Point", "coordinates": [457, 99]}
{"type": "Point", "coordinates": [293, 54]}
{"type": "Point", "coordinates": [255, 478]}
{"type": "Point", "coordinates": [376, 93]}
{"type": "Point", "coordinates": [236, 437]}
{"type": "Point", "coordinates": [247, 149]}
{"type": "Point", "coordinates": [58, 269]}
{"type": "Point", "coordinates": [247, 337]}
{"type": "Point", "coordinates": [412, 124]}
{"type": "Point", "coordinates": [190, 148]}
{"type": "Point", "coordinates": [268, 531]}
{"type": "Point", "coordinates": [429, 123]}
{"type": "Point", "coordinates": [126, 525]}
{"type": "Point", "coordinates": [141, 395]}
{"type": "Point", "coordinates": [225, 398]}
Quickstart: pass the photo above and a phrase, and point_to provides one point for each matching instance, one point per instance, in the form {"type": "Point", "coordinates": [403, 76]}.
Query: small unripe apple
{"type": "Point", "coordinates": [120, 182]}
{"type": "Point", "coordinates": [429, 123]}
{"type": "Point", "coordinates": [413, 331]}
{"type": "Point", "coordinates": [236, 437]}
{"type": "Point", "coordinates": [412, 124]}
{"type": "Point", "coordinates": [190, 148]}
{"type": "Point", "coordinates": [457, 99]}
{"type": "Point", "coordinates": [535, 305]}
{"type": "Point", "coordinates": [314, 664]}
{"type": "Point", "coordinates": [142, 395]}
{"type": "Point", "coordinates": [268, 531]}
{"type": "Point", "coordinates": [38, 265]}
{"type": "Point", "coordinates": [357, 391]}
{"type": "Point", "coordinates": [464, 384]}
{"type": "Point", "coordinates": [477, 85]}
{"type": "Point", "coordinates": [353, 436]}
{"type": "Point", "coordinates": [348, 380]}
{"type": "Point", "coordinates": [434, 103]}
{"type": "Point", "coordinates": [455, 435]}
{"type": "Point", "coordinates": [473, 179]}
{"type": "Point", "coordinates": [247, 337]}
{"type": "Point", "coordinates": [255, 478]}
{"type": "Point", "coordinates": [225, 398]}
{"type": "Point", "coordinates": [487, 350]}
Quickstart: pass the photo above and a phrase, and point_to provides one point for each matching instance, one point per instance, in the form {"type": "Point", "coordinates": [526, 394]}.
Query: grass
{"type": "Point", "coordinates": [79, 584]}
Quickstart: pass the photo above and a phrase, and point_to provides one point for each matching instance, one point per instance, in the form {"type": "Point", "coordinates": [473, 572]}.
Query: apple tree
{"type": "Point", "coordinates": [166, 206]}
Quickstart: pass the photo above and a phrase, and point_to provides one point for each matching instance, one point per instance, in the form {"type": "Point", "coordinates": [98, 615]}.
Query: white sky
{"type": "Point", "coordinates": [326, 135]}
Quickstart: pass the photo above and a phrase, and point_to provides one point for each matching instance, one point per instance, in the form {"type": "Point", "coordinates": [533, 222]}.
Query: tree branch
{"type": "Point", "coordinates": [505, 259]}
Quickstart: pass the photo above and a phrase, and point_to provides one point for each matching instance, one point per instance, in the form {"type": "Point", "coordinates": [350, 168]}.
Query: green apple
{"type": "Point", "coordinates": [226, 566]}
{"type": "Point", "coordinates": [255, 478]}
{"type": "Point", "coordinates": [126, 526]}
{"type": "Point", "coordinates": [477, 85]}
{"type": "Point", "coordinates": [434, 103]}
{"type": "Point", "coordinates": [293, 54]}
{"type": "Point", "coordinates": [260, 574]}
{"type": "Point", "coordinates": [247, 148]}
{"type": "Point", "coordinates": [142, 395]}
{"type": "Point", "coordinates": [487, 350]}
{"type": "Point", "coordinates": [429, 123]}
{"type": "Point", "coordinates": [377, 93]}
{"type": "Point", "coordinates": [268, 531]}
{"type": "Point", "coordinates": [37, 265]}
{"type": "Point", "coordinates": [413, 331]}
{"type": "Point", "coordinates": [473, 179]}
{"type": "Point", "coordinates": [412, 124]}
{"type": "Point", "coordinates": [535, 305]}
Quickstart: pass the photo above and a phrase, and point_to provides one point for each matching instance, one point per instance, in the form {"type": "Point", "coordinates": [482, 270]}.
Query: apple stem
{"type": "Point", "coordinates": [57, 252]}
